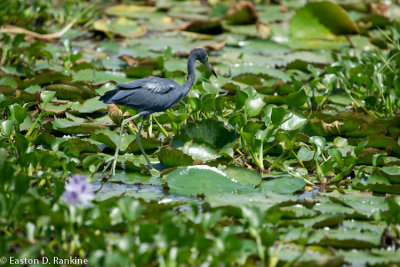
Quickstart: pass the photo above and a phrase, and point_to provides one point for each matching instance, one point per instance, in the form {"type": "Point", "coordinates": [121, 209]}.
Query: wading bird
{"type": "Point", "coordinates": [151, 95]}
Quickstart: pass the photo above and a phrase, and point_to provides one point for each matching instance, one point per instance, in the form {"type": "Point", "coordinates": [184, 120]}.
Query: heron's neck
{"type": "Point", "coordinates": [191, 74]}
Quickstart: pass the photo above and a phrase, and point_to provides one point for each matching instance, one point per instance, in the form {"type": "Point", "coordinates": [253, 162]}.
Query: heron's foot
{"type": "Point", "coordinates": [154, 172]}
{"type": "Point", "coordinates": [110, 159]}
{"type": "Point", "coordinates": [113, 160]}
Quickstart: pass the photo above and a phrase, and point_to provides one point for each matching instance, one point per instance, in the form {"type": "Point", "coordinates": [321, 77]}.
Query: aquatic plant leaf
{"type": "Point", "coordinates": [321, 20]}
{"type": "Point", "coordinates": [296, 212]}
{"type": "Point", "coordinates": [372, 257]}
{"type": "Point", "coordinates": [128, 141]}
{"type": "Point", "coordinates": [304, 154]}
{"type": "Point", "coordinates": [311, 254]}
{"type": "Point", "coordinates": [210, 131]}
{"type": "Point", "coordinates": [377, 182]}
{"type": "Point", "coordinates": [118, 192]}
{"type": "Point", "coordinates": [70, 127]}
{"type": "Point", "coordinates": [242, 175]}
{"type": "Point", "coordinates": [297, 99]}
{"type": "Point", "coordinates": [173, 157]}
{"type": "Point", "coordinates": [130, 178]}
{"type": "Point", "coordinates": [71, 91]}
{"type": "Point", "coordinates": [131, 11]}
{"type": "Point", "coordinates": [202, 152]}
{"type": "Point", "coordinates": [363, 204]}
{"type": "Point", "coordinates": [6, 127]}
{"type": "Point", "coordinates": [263, 201]}
{"type": "Point", "coordinates": [202, 179]}
{"type": "Point", "coordinates": [121, 26]}
{"type": "Point", "coordinates": [89, 106]}
{"type": "Point", "coordinates": [345, 238]}
{"type": "Point", "coordinates": [253, 106]}
{"type": "Point", "coordinates": [283, 185]}
{"type": "Point", "coordinates": [392, 173]}
{"type": "Point", "coordinates": [320, 221]}
{"type": "Point", "coordinates": [293, 121]}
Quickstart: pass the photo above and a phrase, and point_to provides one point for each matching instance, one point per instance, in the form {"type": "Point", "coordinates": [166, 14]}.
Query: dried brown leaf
{"type": "Point", "coordinates": [242, 12]}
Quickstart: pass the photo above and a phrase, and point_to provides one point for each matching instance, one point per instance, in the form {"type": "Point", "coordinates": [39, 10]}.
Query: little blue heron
{"type": "Point", "coordinates": [151, 95]}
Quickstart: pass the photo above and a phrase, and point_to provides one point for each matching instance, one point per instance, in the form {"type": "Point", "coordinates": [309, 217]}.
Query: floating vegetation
{"type": "Point", "coordinates": [289, 157]}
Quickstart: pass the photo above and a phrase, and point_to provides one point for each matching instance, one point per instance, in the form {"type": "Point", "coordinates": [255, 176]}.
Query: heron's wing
{"type": "Point", "coordinates": [155, 94]}
{"type": "Point", "coordinates": [155, 85]}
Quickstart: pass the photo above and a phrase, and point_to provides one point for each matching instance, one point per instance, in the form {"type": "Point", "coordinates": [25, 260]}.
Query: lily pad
{"type": "Point", "coordinates": [89, 106]}
{"type": "Point", "coordinates": [128, 142]}
{"type": "Point", "coordinates": [70, 127]}
{"type": "Point", "coordinates": [131, 11]}
{"type": "Point", "coordinates": [173, 157]}
{"type": "Point", "coordinates": [392, 173]}
{"type": "Point", "coordinates": [345, 238]}
{"type": "Point", "coordinates": [210, 131]}
{"type": "Point", "coordinates": [202, 152]}
{"type": "Point", "coordinates": [283, 185]}
{"type": "Point", "coordinates": [202, 179]}
{"type": "Point", "coordinates": [262, 201]}
{"type": "Point", "coordinates": [373, 257]}
{"type": "Point", "coordinates": [121, 26]}
{"type": "Point", "coordinates": [242, 175]}
{"type": "Point", "coordinates": [135, 178]}
{"type": "Point", "coordinates": [321, 20]}
{"type": "Point", "coordinates": [320, 221]}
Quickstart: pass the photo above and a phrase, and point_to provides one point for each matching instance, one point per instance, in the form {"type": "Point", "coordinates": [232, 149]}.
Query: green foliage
{"type": "Point", "coordinates": [30, 14]}
{"type": "Point", "coordinates": [289, 157]}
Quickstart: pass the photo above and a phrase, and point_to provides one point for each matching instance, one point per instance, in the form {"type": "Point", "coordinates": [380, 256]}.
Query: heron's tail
{"type": "Point", "coordinates": [107, 97]}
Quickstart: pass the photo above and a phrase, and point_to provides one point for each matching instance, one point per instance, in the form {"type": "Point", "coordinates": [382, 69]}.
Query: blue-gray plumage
{"type": "Point", "coordinates": [155, 94]}
{"type": "Point", "coordinates": [151, 95]}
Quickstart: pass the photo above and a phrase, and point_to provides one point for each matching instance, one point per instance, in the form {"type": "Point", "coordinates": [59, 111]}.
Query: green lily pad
{"type": "Point", "coordinates": [331, 208]}
{"type": "Point", "coordinates": [173, 157]}
{"type": "Point", "coordinates": [283, 185]}
{"type": "Point", "coordinates": [131, 11]}
{"type": "Point", "coordinates": [320, 221]}
{"type": "Point", "coordinates": [377, 182]}
{"type": "Point", "coordinates": [297, 212]}
{"type": "Point", "coordinates": [128, 141]}
{"type": "Point", "coordinates": [210, 131]}
{"type": "Point", "coordinates": [321, 20]}
{"type": "Point", "coordinates": [77, 145]}
{"type": "Point", "coordinates": [71, 91]}
{"type": "Point", "coordinates": [89, 106]}
{"type": "Point", "coordinates": [263, 201]}
{"type": "Point", "coordinates": [364, 205]}
{"type": "Point", "coordinates": [380, 257]}
{"type": "Point", "coordinates": [70, 127]}
{"type": "Point", "coordinates": [345, 238]}
{"type": "Point", "coordinates": [118, 193]}
{"type": "Point", "coordinates": [135, 178]}
{"type": "Point", "coordinates": [242, 175]}
{"type": "Point", "coordinates": [121, 26]}
{"type": "Point", "coordinates": [202, 152]}
{"type": "Point", "coordinates": [392, 173]}
{"type": "Point", "coordinates": [308, 256]}
{"type": "Point", "coordinates": [202, 179]}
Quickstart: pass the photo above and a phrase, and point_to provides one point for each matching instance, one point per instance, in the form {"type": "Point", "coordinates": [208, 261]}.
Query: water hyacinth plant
{"type": "Point", "coordinates": [290, 157]}
{"type": "Point", "coordinates": [78, 191]}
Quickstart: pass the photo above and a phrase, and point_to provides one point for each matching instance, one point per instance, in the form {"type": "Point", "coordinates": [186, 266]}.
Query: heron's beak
{"type": "Point", "coordinates": [211, 69]}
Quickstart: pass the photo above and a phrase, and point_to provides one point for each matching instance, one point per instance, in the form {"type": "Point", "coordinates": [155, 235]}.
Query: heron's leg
{"type": "Point", "coordinates": [140, 144]}
{"type": "Point", "coordinates": [114, 159]}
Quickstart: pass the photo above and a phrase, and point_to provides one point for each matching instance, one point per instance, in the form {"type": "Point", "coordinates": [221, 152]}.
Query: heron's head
{"type": "Point", "coordinates": [202, 56]}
